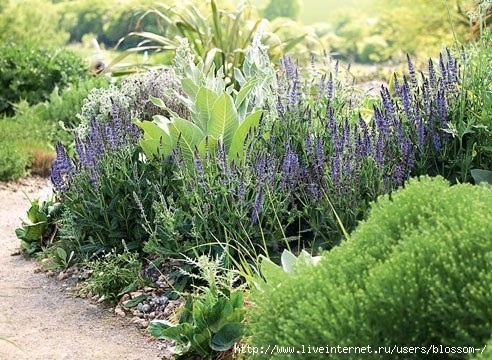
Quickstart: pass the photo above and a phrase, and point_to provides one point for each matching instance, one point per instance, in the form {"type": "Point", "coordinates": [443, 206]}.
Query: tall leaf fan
{"type": "Point", "coordinates": [97, 62]}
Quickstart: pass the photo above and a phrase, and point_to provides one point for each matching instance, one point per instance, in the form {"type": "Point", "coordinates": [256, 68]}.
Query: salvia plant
{"type": "Point", "coordinates": [335, 162]}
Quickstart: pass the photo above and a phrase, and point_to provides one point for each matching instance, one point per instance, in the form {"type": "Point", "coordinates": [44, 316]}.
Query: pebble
{"type": "Point", "coordinates": [119, 312]}
{"type": "Point", "coordinates": [62, 276]}
{"type": "Point", "coordinates": [146, 308]}
{"type": "Point", "coordinates": [124, 298]}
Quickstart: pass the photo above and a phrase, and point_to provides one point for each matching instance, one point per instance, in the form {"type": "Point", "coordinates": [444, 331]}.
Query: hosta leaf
{"type": "Point", "coordinates": [481, 176]}
{"type": "Point", "coordinates": [163, 329]}
{"type": "Point", "coordinates": [31, 232]}
{"type": "Point", "coordinates": [225, 338]}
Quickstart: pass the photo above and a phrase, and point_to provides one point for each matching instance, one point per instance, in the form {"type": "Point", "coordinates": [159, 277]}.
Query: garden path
{"type": "Point", "coordinates": [38, 320]}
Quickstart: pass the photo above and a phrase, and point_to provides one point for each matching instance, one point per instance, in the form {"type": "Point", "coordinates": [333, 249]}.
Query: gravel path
{"type": "Point", "coordinates": [38, 321]}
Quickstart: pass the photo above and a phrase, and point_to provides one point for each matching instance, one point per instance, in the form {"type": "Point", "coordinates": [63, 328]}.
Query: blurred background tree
{"type": "Point", "coordinates": [283, 8]}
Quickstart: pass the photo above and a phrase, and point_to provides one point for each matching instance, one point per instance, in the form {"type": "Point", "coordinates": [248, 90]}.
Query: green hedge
{"type": "Point", "coordinates": [417, 272]}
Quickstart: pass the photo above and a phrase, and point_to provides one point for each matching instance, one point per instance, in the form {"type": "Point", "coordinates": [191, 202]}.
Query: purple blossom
{"type": "Point", "coordinates": [62, 170]}
{"type": "Point", "coordinates": [442, 111]}
{"type": "Point", "coordinates": [452, 73]}
{"type": "Point", "coordinates": [388, 105]}
{"type": "Point", "coordinates": [379, 150]}
{"type": "Point", "coordinates": [411, 71]}
{"type": "Point", "coordinates": [432, 75]}
{"type": "Point", "coordinates": [257, 206]}
{"type": "Point", "coordinates": [405, 96]}
{"type": "Point", "coordinates": [290, 169]}
{"type": "Point", "coordinates": [436, 141]}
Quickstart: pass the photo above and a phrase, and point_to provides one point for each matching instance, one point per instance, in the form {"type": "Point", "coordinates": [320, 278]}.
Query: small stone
{"type": "Point", "coordinates": [119, 312]}
{"type": "Point", "coordinates": [146, 308]}
{"type": "Point", "coordinates": [50, 273]}
{"type": "Point", "coordinates": [138, 314]}
{"type": "Point", "coordinates": [62, 276]}
{"type": "Point", "coordinates": [135, 294]}
{"type": "Point", "coordinates": [125, 298]}
{"type": "Point", "coordinates": [140, 306]}
{"type": "Point", "coordinates": [148, 289]}
{"type": "Point", "coordinates": [151, 316]}
{"type": "Point", "coordinates": [162, 300]}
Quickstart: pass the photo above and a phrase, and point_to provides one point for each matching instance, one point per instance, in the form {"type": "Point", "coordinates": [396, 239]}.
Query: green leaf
{"type": "Point", "coordinates": [227, 336]}
{"type": "Point", "coordinates": [245, 91]}
{"type": "Point", "coordinates": [271, 272]}
{"type": "Point", "coordinates": [236, 150]}
{"type": "Point", "coordinates": [158, 102]}
{"type": "Point", "coordinates": [133, 302]}
{"type": "Point", "coordinates": [219, 313]}
{"type": "Point", "coordinates": [151, 129]}
{"type": "Point", "coordinates": [224, 119]}
{"type": "Point", "coordinates": [156, 141]}
{"type": "Point", "coordinates": [204, 105]}
{"type": "Point", "coordinates": [481, 176]}
{"type": "Point", "coordinates": [163, 329]}
{"type": "Point", "coordinates": [61, 253]}
{"type": "Point", "coordinates": [289, 262]}
{"type": "Point", "coordinates": [236, 299]}
{"type": "Point", "coordinates": [190, 88]}
{"type": "Point", "coordinates": [31, 232]}
{"type": "Point", "coordinates": [187, 135]}
{"type": "Point", "coordinates": [201, 342]}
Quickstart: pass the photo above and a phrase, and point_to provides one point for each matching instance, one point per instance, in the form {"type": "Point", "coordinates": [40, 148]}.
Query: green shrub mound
{"type": "Point", "coordinates": [417, 272]}
{"type": "Point", "coordinates": [30, 73]}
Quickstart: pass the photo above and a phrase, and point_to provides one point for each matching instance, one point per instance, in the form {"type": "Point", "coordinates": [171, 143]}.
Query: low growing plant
{"type": "Point", "coordinates": [41, 226]}
{"type": "Point", "coordinates": [210, 323]}
{"type": "Point", "coordinates": [114, 274]}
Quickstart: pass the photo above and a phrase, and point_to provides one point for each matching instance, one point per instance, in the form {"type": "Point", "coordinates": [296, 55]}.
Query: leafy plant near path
{"type": "Point", "coordinates": [210, 322]}
{"type": "Point", "coordinates": [40, 228]}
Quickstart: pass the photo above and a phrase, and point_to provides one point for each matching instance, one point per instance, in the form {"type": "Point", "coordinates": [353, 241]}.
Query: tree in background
{"type": "Point", "coordinates": [283, 8]}
{"type": "Point", "coordinates": [32, 21]}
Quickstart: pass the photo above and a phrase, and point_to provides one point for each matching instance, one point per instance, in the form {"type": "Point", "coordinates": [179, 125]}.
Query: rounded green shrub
{"type": "Point", "coordinates": [416, 273]}
{"type": "Point", "coordinates": [31, 73]}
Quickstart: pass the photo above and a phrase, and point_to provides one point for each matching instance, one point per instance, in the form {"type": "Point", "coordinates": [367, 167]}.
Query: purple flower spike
{"type": "Point", "coordinates": [62, 170]}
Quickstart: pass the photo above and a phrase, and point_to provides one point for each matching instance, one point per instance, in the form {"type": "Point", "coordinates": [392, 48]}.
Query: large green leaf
{"type": "Point", "coordinates": [236, 150]}
{"type": "Point", "coordinates": [156, 141]}
{"type": "Point", "coordinates": [189, 87]}
{"type": "Point", "coordinates": [204, 105]}
{"type": "Point", "coordinates": [223, 120]}
{"type": "Point", "coordinates": [31, 232]}
{"type": "Point", "coordinates": [225, 338]}
{"type": "Point", "coordinates": [186, 135]}
{"type": "Point", "coordinates": [481, 176]}
{"type": "Point", "coordinates": [163, 329]}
